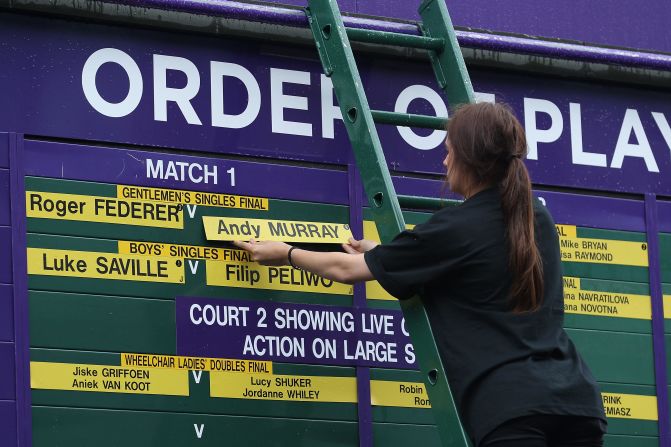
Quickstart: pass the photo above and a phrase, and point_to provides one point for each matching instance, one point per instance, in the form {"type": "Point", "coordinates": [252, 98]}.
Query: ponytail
{"type": "Point", "coordinates": [524, 260]}
{"type": "Point", "coordinates": [489, 143]}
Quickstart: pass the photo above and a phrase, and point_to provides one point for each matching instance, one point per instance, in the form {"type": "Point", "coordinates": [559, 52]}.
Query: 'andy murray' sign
{"type": "Point", "coordinates": [224, 95]}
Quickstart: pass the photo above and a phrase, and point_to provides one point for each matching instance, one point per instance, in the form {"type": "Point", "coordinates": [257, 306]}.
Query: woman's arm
{"type": "Point", "coordinates": [340, 267]}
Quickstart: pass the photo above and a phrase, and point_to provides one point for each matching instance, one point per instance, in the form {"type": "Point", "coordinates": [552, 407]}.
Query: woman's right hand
{"type": "Point", "coordinates": [354, 246]}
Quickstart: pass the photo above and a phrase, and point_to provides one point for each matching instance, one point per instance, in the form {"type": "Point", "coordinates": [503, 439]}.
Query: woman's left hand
{"type": "Point", "coordinates": [266, 252]}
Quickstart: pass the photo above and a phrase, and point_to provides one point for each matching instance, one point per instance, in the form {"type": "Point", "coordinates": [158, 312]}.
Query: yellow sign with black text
{"type": "Point", "coordinates": [51, 205]}
{"type": "Point", "coordinates": [387, 393]}
{"type": "Point", "coordinates": [283, 387]}
{"type": "Point", "coordinates": [600, 251]}
{"type": "Point", "coordinates": [255, 276]}
{"type": "Point", "coordinates": [108, 379]}
{"type": "Point", "coordinates": [605, 304]}
{"type": "Point", "coordinates": [86, 264]}
{"type": "Point", "coordinates": [182, 251]}
{"type": "Point", "coordinates": [630, 406]}
{"type": "Point", "coordinates": [178, 196]}
{"type": "Point", "coordinates": [196, 363]}
{"type": "Point", "coordinates": [235, 228]}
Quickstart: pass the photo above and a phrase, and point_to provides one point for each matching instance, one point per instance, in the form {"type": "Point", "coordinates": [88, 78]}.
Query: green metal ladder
{"type": "Point", "coordinates": [333, 44]}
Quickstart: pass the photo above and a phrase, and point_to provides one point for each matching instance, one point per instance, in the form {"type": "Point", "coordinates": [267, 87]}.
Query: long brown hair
{"type": "Point", "coordinates": [488, 144]}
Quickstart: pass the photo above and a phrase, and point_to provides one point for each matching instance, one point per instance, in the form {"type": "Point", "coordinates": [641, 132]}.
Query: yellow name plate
{"type": "Point", "coordinates": [182, 251]}
{"type": "Point", "coordinates": [630, 406]}
{"type": "Point", "coordinates": [387, 393]}
{"type": "Point", "coordinates": [283, 387]}
{"type": "Point", "coordinates": [85, 264]}
{"type": "Point", "coordinates": [255, 276]}
{"type": "Point", "coordinates": [196, 363]}
{"type": "Point", "coordinates": [192, 197]}
{"type": "Point", "coordinates": [605, 304]}
{"type": "Point", "coordinates": [232, 228]}
{"type": "Point", "coordinates": [50, 205]}
{"type": "Point", "coordinates": [667, 305]}
{"type": "Point", "coordinates": [108, 379]}
{"type": "Point", "coordinates": [600, 251]}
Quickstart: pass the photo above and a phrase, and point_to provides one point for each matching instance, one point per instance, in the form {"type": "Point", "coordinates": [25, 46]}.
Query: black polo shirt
{"type": "Point", "coordinates": [500, 365]}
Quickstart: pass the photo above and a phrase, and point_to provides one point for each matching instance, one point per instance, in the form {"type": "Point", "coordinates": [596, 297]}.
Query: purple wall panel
{"type": "Point", "coordinates": [597, 111]}
{"type": "Point", "coordinates": [575, 209]}
{"type": "Point", "coordinates": [7, 378]}
{"type": "Point", "coordinates": [20, 280]}
{"type": "Point", "coordinates": [4, 150]}
{"type": "Point", "coordinates": [5, 255]}
{"type": "Point", "coordinates": [6, 313]}
{"type": "Point", "coordinates": [4, 197]}
{"type": "Point", "coordinates": [344, 5]}
{"type": "Point", "coordinates": [8, 422]}
{"type": "Point", "coordinates": [664, 216]}
{"type": "Point", "coordinates": [594, 211]}
{"type": "Point", "coordinates": [59, 160]}
{"type": "Point", "coordinates": [603, 22]}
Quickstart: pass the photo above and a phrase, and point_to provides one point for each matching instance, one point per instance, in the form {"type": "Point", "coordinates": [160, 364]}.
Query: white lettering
{"type": "Point", "coordinates": [485, 97]}
{"type": "Point", "coordinates": [664, 128]}
{"type": "Point", "coordinates": [192, 177]}
{"type": "Point", "coordinates": [581, 157]}
{"type": "Point", "coordinates": [632, 123]}
{"type": "Point", "coordinates": [195, 320]}
{"type": "Point", "coordinates": [181, 96]}
{"type": "Point", "coordinates": [243, 119]}
{"type": "Point", "coordinates": [409, 94]}
{"type": "Point", "coordinates": [330, 112]}
{"type": "Point", "coordinates": [134, 95]}
{"type": "Point", "coordinates": [535, 135]}
{"type": "Point", "coordinates": [211, 173]}
{"type": "Point", "coordinates": [154, 171]}
{"type": "Point", "coordinates": [279, 101]}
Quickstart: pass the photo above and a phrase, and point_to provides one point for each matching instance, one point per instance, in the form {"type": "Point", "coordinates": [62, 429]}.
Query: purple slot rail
{"type": "Point", "coordinates": [468, 39]}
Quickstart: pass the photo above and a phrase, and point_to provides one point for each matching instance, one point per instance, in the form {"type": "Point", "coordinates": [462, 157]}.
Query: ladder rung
{"type": "Point", "coordinates": [396, 39]}
{"type": "Point", "coordinates": [409, 120]}
{"type": "Point", "coordinates": [424, 203]}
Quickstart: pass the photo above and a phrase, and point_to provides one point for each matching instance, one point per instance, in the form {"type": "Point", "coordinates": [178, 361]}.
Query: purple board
{"type": "Point", "coordinates": [6, 258]}
{"type": "Point", "coordinates": [4, 150]}
{"type": "Point", "coordinates": [599, 136]}
{"type": "Point", "coordinates": [59, 160]}
{"type": "Point", "coordinates": [600, 22]}
{"type": "Point", "coordinates": [263, 112]}
{"type": "Point", "coordinates": [593, 211]}
{"type": "Point", "coordinates": [566, 208]}
{"type": "Point", "coordinates": [4, 197]}
{"type": "Point", "coordinates": [664, 216]}
{"type": "Point", "coordinates": [6, 313]}
{"type": "Point", "coordinates": [8, 422]}
{"type": "Point", "coordinates": [7, 377]}
{"type": "Point", "coordinates": [296, 333]}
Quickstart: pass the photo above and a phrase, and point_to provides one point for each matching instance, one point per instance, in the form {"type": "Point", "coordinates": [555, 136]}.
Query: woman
{"type": "Point", "coordinates": [489, 272]}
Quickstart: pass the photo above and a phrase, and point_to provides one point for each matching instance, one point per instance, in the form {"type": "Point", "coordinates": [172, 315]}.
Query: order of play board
{"type": "Point", "coordinates": [179, 321]}
{"type": "Point", "coordinates": [130, 265]}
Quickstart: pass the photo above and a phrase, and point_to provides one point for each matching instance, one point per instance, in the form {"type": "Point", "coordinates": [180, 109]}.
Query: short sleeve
{"type": "Point", "coordinates": [416, 257]}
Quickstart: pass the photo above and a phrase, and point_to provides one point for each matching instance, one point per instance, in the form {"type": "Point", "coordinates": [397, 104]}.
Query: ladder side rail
{"type": "Point", "coordinates": [338, 62]}
{"type": "Point", "coordinates": [448, 64]}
